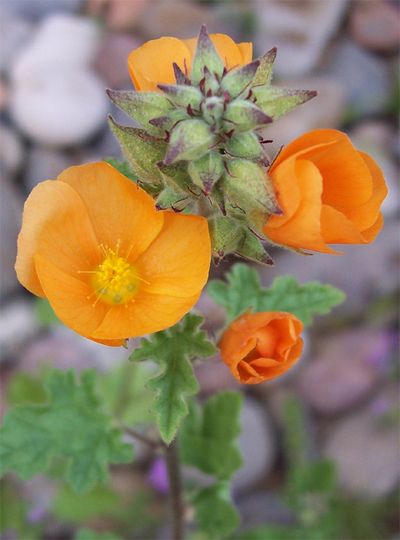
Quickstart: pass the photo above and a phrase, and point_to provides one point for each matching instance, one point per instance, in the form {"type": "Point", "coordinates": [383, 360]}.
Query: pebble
{"type": "Point", "coordinates": [366, 79]}
{"type": "Point", "coordinates": [375, 25]}
{"type": "Point", "coordinates": [257, 444]}
{"type": "Point", "coordinates": [300, 31]}
{"type": "Point", "coordinates": [261, 507]}
{"type": "Point", "coordinates": [11, 151]}
{"type": "Point", "coordinates": [119, 15]}
{"type": "Point", "coordinates": [56, 99]}
{"type": "Point", "coordinates": [45, 163]}
{"type": "Point", "coordinates": [213, 376]}
{"type": "Point", "coordinates": [10, 219]}
{"type": "Point", "coordinates": [366, 451]}
{"type": "Point", "coordinates": [15, 33]}
{"type": "Point", "coordinates": [111, 59]}
{"type": "Point", "coordinates": [341, 375]}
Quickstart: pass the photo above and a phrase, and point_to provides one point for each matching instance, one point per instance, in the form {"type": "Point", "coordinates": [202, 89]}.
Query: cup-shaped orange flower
{"type": "Point", "coordinates": [330, 193]}
{"type": "Point", "coordinates": [110, 264]}
{"type": "Point", "coordinates": [258, 347]}
{"type": "Point", "coordinates": [152, 63]}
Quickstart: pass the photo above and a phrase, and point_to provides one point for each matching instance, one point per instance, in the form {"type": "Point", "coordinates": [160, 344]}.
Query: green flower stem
{"type": "Point", "coordinates": [175, 489]}
{"type": "Point", "coordinates": [143, 438]}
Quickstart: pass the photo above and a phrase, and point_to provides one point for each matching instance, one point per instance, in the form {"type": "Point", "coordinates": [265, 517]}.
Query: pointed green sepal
{"type": "Point", "coordinates": [189, 139]}
{"type": "Point", "coordinates": [205, 56]}
{"type": "Point", "coordinates": [237, 80]}
{"type": "Point", "coordinates": [170, 198]}
{"type": "Point", "coordinates": [182, 95]}
{"type": "Point", "coordinates": [141, 106]}
{"type": "Point", "coordinates": [242, 115]}
{"type": "Point", "coordinates": [165, 123]}
{"type": "Point", "coordinates": [206, 171]}
{"type": "Point", "coordinates": [276, 102]}
{"type": "Point", "coordinates": [249, 193]}
{"type": "Point", "coordinates": [226, 236]}
{"type": "Point", "coordinates": [180, 76]}
{"type": "Point", "coordinates": [263, 75]}
{"type": "Point", "coordinates": [177, 176]}
{"type": "Point", "coordinates": [141, 150]}
{"type": "Point", "coordinates": [253, 249]}
{"type": "Point", "coordinates": [245, 145]}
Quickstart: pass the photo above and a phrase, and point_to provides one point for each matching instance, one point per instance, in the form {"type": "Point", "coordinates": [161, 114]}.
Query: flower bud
{"type": "Point", "coordinates": [189, 139]}
{"type": "Point", "coordinates": [182, 95]}
{"type": "Point", "coordinates": [213, 109]}
{"type": "Point", "coordinates": [237, 80]}
{"type": "Point", "coordinates": [206, 171]}
{"type": "Point", "coordinates": [171, 198]}
{"type": "Point", "coordinates": [226, 236]}
{"type": "Point", "coordinates": [245, 145]}
{"type": "Point", "coordinates": [242, 115]}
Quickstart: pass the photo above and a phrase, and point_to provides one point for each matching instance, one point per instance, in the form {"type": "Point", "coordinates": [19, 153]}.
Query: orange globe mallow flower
{"type": "Point", "coordinates": [258, 347]}
{"type": "Point", "coordinates": [109, 263]}
{"type": "Point", "coordinates": [152, 63]}
{"type": "Point", "coordinates": [330, 193]}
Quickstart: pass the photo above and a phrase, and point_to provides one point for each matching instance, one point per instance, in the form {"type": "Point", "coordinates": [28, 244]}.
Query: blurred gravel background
{"type": "Point", "coordinates": [56, 59]}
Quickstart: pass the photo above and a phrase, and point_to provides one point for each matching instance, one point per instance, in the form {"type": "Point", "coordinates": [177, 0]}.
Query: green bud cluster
{"type": "Point", "coordinates": [199, 145]}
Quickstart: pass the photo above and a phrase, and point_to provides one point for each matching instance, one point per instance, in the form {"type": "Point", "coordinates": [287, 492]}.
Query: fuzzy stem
{"type": "Point", "coordinates": [175, 489]}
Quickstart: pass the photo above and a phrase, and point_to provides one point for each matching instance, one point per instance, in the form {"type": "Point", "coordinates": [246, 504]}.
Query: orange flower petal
{"type": "Point", "coordinates": [246, 48]}
{"type": "Point", "coordinates": [366, 215]}
{"type": "Point", "coordinates": [55, 224]}
{"type": "Point", "coordinates": [228, 50]}
{"type": "Point", "coordinates": [371, 233]}
{"type": "Point", "coordinates": [303, 230]}
{"type": "Point", "coordinates": [151, 64]}
{"type": "Point", "coordinates": [287, 190]}
{"type": "Point", "coordinates": [178, 261]}
{"type": "Point", "coordinates": [73, 300]}
{"type": "Point", "coordinates": [123, 215]}
{"type": "Point", "coordinates": [148, 313]}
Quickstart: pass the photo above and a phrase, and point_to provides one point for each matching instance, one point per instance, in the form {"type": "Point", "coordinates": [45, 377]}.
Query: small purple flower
{"type": "Point", "coordinates": [158, 477]}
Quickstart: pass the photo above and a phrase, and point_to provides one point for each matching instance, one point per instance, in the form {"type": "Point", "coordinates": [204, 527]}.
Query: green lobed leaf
{"type": "Point", "coordinates": [70, 425]}
{"type": "Point", "coordinates": [216, 515]}
{"type": "Point", "coordinates": [244, 291]}
{"type": "Point", "coordinates": [208, 438]}
{"type": "Point", "coordinates": [173, 349]}
{"type": "Point", "coordinates": [89, 534]}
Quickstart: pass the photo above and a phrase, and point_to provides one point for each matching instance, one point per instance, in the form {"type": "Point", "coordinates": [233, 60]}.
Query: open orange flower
{"type": "Point", "coordinates": [151, 63]}
{"type": "Point", "coordinates": [330, 193]}
{"type": "Point", "coordinates": [258, 347]}
{"type": "Point", "coordinates": [109, 263]}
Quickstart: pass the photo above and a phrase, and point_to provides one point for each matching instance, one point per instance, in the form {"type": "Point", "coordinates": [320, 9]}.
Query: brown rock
{"type": "Point", "coordinates": [375, 25]}
{"type": "Point", "coordinates": [111, 59]}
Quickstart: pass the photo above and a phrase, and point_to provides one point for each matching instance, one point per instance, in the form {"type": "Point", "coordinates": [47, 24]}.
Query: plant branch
{"type": "Point", "coordinates": [175, 489]}
{"type": "Point", "coordinates": [142, 438]}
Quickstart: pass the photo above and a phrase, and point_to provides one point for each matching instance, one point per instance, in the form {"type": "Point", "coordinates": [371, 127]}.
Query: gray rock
{"type": "Point", "coordinates": [11, 152]}
{"type": "Point", "coordinates": [15, 33]}
{"type": "Point", "coordinates": [257, 444]}
{"type": "Point", "coordinates": [300, 31]}
{"type": "Point", "coordinates": [10, 219]}
{"type": "Point", "coordinates": [18, 326]}
{"type": "Point", "coordinates": [257, 509]}
{"type": "Point", "coordinates": [111, 59]}
{"type": "Point", "coordinates": [365, 449]}
{"type": "Point", "coordinates": [367, 80]}
{"type": "Point", "coordinates": [36, 9]}
{"type": "Point", "coordinates": [45, 163]}
{"type": "Point", "coordinates": [341, 375]}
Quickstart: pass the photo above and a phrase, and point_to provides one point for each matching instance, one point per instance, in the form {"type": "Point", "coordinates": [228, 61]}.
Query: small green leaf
{"type": "Point", "coordinates": [141, 150]}
{"type": "Point", "coordinates": [263, 74]}
{"type": "Point", "coordinates": [123, 168]}
{"type": "Point", "coordinates": [209, 436]}
{"type": "Point", "coordinates": [70, 425]}
{"type": "Point", "coordinates": [276, 102]}
{"type": "Point", "coordinates": [216, 515]}
{"type": "Point", "coordinates": [89, 534]}
{"type": "Point", "coordinates": [142, 106]}
{"type": "Point", "coordinates": [173, 349]}
{"type": "Point", "coordinates": [243, 291]}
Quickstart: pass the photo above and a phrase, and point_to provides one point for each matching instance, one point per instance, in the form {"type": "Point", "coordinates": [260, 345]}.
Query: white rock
{"type": "Point", "coordinates": [257, 445]}
{"type": "Point", "coordinates": [56, 99]}
{"type": "Point", "coordinates": [61, 42]}
{"type": "Point", "coordinates": [10, 149]}
{"type": "Point", "coordinates": [17, 325]}
{"type": "Point", "coordinates": [300, 31]}
{"type": "Point", "coordinates": [59, 108]}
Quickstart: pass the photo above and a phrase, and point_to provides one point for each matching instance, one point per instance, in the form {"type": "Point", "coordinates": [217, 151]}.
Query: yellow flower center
{"type": "Point", "coordinates": [115, 281]}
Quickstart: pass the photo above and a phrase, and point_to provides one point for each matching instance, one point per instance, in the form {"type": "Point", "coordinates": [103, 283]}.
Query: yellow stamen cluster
{"type": "Point", "coordinates": [115, 281]}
